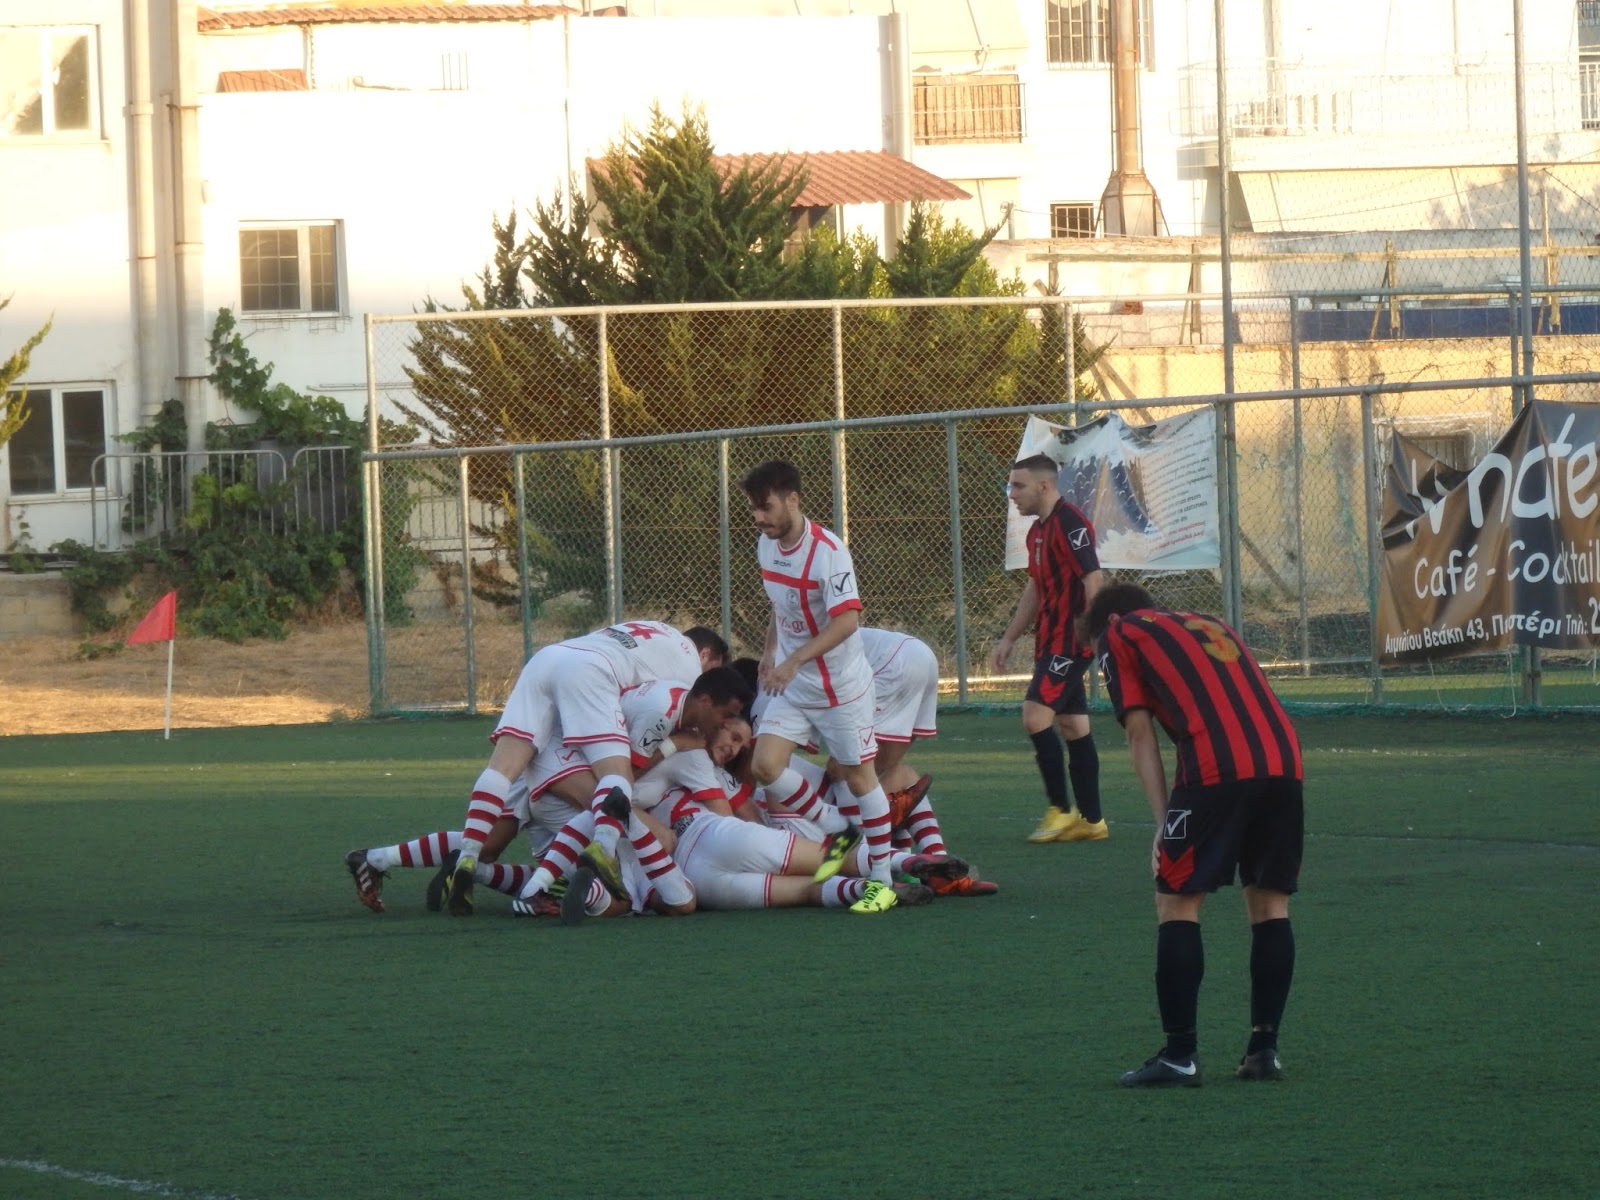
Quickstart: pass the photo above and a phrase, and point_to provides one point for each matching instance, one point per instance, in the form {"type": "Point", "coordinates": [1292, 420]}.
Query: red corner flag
{"type": "Point", "coordinates": [160, 624]}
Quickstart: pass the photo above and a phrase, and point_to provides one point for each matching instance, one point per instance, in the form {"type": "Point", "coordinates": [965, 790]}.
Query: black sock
{"type": "Point", "coordinates": [1271, 972]}
{"type": "Point", "coordinates": [1052, 765]}
{"type": "Point", "coordinates": [1180, 966]}
{"type": "Point", "coordinates": [1083, 765]}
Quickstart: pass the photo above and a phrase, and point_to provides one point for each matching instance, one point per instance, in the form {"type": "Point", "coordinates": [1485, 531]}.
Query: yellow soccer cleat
{"type": "Point", "coordinates": [1085, 831]}
{"type": "Point", "coordinates": [878, 897]}
{"type": "Point", "coordinates": [1055, 824]}
{"type": "Point", "coordinates": [834, 853]}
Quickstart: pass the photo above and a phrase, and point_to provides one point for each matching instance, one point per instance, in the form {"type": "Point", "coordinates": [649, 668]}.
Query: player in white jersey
{"type": "Point", "coordinates": [662, 718]}
{"type": "Point", "coordinates": [813, 669]}
{"type": "Point", "coordinates": [570, 692]}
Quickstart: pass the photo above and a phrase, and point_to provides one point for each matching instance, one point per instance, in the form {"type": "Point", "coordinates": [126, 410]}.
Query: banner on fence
{"type": "Point", "coordinates": [1150, 491]}
{"type": "Point", "coordinates": [1504, 554]}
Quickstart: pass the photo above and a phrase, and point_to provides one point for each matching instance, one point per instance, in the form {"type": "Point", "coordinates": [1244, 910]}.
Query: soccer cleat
{"type": "Point", "coordinates": [967, 885]}
{"type": "Point", "coordinates": [369, 881]}
{"type": "Point", "coordinates": [877, 898]}
{"type": "Point", "coordinates": [925, 868]}
{"type": "Point", "coordinates": [1085, 831]}
{"type": "Point", "coordinates": [1054, 824]}
{"type": "Point", "coordinates": [1158, 1071]}
{"type": "Point", "coordinates": [603, 866]}
{"type": "Point", "coordinates": [1261, 1067]}
{"type": "Point", "coordinates": [540, 904]}
{"type": "Point", "coordinates": [575, 904]}
{"type": "Point", "coordinates": [617, 806]}
{"type": "Point", "coordinates": [439, 885]}
{"type": "Point", "coordinates": [834, 852]}
{"type": "Point", "coordinates": [460, 886]}
{"type": "Point", "coordinates": [902, 802]}
{"type": "Point", "coordinates": [912, 895]}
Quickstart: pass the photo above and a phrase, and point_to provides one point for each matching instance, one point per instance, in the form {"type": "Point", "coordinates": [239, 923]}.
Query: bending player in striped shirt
{"type": "Point", "coordinates": [1235, 805]}
{"type": "Point", "coordinates": [813, 668]}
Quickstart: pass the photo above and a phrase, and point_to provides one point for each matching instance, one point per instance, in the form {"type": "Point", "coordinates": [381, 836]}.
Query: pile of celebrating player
{"type": "Point", "coordinates": [629, 757]}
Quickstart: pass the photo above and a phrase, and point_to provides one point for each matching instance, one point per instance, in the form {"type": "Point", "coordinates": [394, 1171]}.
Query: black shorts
{"type": "Point", "coordinates": [1256, 826]}
{"type": "Point", "coordinates": [1058, 683]}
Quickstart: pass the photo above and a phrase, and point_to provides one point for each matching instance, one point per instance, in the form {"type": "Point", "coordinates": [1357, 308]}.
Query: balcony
{"type": "Point", "coordinates": [966, 109]}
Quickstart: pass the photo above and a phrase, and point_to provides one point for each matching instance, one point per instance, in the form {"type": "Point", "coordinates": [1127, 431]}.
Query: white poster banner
{"type": "Point", "coordinates": [1150, 491]}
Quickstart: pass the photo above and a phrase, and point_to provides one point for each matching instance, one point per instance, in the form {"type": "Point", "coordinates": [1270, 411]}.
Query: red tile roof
{"type": "Point", "coordinates": [211, 21]}
{"type": "Point", "coordinates": [285, 79]}
{"type": "Point", "coordinates": [847, 177]}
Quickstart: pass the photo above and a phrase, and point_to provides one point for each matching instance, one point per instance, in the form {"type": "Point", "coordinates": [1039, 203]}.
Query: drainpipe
{"type": "Point", "coordinates": [188, 225]}
{"type": "Point", "coordinates": [141, 137]}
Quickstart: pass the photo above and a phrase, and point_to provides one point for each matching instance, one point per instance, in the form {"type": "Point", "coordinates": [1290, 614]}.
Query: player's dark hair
{"type": "Point", "coordinates": [708, 639]}
{"type": "Point", "coordinates": [769, 478]}
{"type": "Point", "coordinates": [723, 684]}
{"type": "Point", "coordinates": [749, 669]}
{"type": "Point", "coordinates": [1112, 601]}
{"type": "Point", "coordinates": [1039, 464]}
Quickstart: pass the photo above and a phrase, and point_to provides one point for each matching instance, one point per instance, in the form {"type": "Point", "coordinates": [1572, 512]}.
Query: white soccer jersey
{"type": "Point", "coordinates": [905, 685]}
{"type": "Point", "coordinates": [688, 773]}
{"type": "Point", "coordinates": [652, 711]}
{"type": "Point", "coordinates": [809, 585]}
{"type": "Point", "coordinates": [640, 651]}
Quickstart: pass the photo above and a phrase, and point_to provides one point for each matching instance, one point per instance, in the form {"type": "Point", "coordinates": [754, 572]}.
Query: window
{"type": "Point", "coordinates": [54, 451]}
{"type": "Point", "coordinates": [967, 108]}
{"type": "Point", "coordinates": [47, 81]}
{"type": "Point", "coordinates": [1079, 31]}
{"type": "Point", "coordinates": [289, 268]}
{"type": "Point", "coordinates": [1072, 220]}
{"type": "Point", "coordinates": [1589, 62]}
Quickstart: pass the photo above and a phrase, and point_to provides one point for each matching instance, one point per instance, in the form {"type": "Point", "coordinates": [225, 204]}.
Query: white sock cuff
{"type": "Point", "coordinates": [607, 782]}
{"type": "Point", "coordinates": [494, 783]}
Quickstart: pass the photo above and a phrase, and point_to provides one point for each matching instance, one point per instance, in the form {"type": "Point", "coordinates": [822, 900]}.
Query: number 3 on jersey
{"type": "Point", "coordinates": [1217, 642]}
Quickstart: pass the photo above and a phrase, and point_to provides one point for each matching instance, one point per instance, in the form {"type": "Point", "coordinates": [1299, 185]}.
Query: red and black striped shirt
{"type": "Point", "coordinates": [1200, 682]}
{"type": "Point", "coordinates": [1061, 551]}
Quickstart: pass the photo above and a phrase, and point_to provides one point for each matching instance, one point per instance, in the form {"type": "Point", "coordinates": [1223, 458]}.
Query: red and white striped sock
{"type": "Point", "coordinates": [874, 808]}
{"type": "Point", "coordinates": [488, 805]}
{"type": "Point", "coordinates": [842, 891]}
{"type": "Point", "coordinates": [502, 878]}
{"type": "Point", "coordinates": [798, 790]}
{"type": "Point", "coordinates": [659, 866]}
{"type": "Point", "coordinates": [608, 830]}
{"type": "Point", "coordinates": [924, 829]}
{"type": "Point", "coordinates": [900, 839]}
{"type": "Point", "coordinates": [563, 853]}
{"type": "Point", "coordinates": [426, 851]}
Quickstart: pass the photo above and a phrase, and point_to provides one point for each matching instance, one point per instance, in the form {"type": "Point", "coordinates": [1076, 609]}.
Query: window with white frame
{"type": "Point", "coordinates": [286, 268]}
{"type": "Point", "coordinates": [1072, 220]}
{"type": "Point", "coordinates": [1079, 32]}
{"type": "Point", "coordinates": [48, 81]}
{"type": "Point", "coordinates": [62, 435]}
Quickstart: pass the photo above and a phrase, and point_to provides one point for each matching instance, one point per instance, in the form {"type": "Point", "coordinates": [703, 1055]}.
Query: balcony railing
{"type": "Point", "coordinates": [966, 108]}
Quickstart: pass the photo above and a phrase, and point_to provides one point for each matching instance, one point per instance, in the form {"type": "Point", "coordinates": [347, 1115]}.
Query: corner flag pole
{"type": "Point", "coordinates": [166, 726]}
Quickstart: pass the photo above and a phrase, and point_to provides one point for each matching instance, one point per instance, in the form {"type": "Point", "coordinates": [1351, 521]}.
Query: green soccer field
{"type": "Point", "coordinates": [195, 1005]}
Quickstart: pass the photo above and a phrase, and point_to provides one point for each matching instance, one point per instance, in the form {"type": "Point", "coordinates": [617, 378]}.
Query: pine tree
{"type": "Point", "coordinates": [14, 405]}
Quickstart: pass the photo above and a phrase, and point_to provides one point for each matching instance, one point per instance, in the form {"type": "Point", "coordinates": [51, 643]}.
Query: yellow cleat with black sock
{"type": "Point", "coordinates": [1055, 824]}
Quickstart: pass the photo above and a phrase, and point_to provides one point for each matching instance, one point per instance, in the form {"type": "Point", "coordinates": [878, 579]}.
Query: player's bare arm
{"type": "Point", "coordinates": [838, 628]}
{"type": "Point", "coordinates": [769, 652]}
{"type": "Point", "coordinates": [1027, 613]}
{"type": "Point", "coordinates": [1147, 764]}
{"type": "Point", "coordinates": [1092, 583]}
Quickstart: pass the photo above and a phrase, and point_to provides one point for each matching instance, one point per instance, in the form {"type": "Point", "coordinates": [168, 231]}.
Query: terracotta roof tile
{"type": "Point", "coordinates": [848, 177]}
{"type": "Point", "coordinates": [284, 79]}
{"type": "Point", "coordinates": [211, 21]}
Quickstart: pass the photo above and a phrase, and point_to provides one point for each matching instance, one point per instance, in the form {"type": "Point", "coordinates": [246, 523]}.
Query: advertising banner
{"type": "Point", "coordinates": [1150, 491]}
{"type": "Point", "coordinates": [1507, 553]}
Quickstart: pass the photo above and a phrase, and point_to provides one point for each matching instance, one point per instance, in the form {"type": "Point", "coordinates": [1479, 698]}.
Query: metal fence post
{"type": "Point", "coordinates": [1071, 357]}
{"type": "Point", "coordinates": [372, 531]}
{"type": "Point", "coordinates": [952, 461]}
{"type": "Point", "coordinates": [1369, 473]}
{"type": "Point", "coordinates": [608, 477]}
{"type": "Point", "coordinates": [841, 484]}
{"type": "Point", "coordinates": [524, 588]}
{"type": "Point", "coordinates": [463, 501]}
{"type": "Point", "coordinates": [1299, 496]}
{"type": "Point", "coordinates": [724, 539]}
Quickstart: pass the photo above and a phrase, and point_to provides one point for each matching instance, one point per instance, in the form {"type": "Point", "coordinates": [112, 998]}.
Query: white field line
{"type": "Point", "coordinates": [100, 1179]}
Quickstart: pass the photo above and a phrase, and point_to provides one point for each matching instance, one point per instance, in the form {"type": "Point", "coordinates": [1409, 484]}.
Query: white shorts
{"type": "Point", "coordinates": [845, 728]}
{"type": "Point", "coordinates": [567, 696]}
{"type": "Point", "coordinates": [728, 861]}
{"type": "Point", "coordinates": [906, 691]}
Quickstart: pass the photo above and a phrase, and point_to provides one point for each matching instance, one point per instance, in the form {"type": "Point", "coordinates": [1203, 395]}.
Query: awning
{"type": "Point", "coordinates": [210, 21]}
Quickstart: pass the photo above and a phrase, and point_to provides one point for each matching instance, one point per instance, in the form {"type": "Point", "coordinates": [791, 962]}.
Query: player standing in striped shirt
{"type": "Point", "coordinates": [813, 670]}
{"type": "Point", "coordinates": [1236, 804]}
{"type": "Point", "coordinates": [1063, 576]}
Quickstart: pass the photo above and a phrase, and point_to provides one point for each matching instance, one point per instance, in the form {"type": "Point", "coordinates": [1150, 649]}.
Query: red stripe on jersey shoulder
{"type": "Point", "coordinates": [794, 581]}
{"type": "Point", "coordinates": [821, 535]}
{"type": "Point", "coordinates": [847, 606]}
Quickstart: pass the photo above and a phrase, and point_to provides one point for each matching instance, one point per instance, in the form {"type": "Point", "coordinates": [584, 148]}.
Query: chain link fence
{"type": "Point", "coordinates": [578, 466]}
